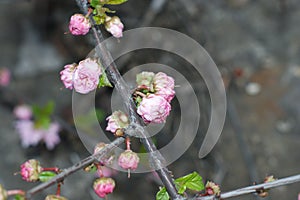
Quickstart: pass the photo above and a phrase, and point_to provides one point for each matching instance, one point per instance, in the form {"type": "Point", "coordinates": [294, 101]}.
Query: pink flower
{"type": "Point", "coordinates": [164, 86]}
{"type": "Point", "coordinates": [103, 186]}
{"type": "Point", "coordinates": [86, 77]}
{"type": "Point", "coordinates": [79, 25]}
{"type": "Point", "coordinates": [30, 170]}
{"type": "Point", "coordinates": [128, 160]}
{"type": "Point", "coordinates": [4, 77]}
{"type": "Point", "coordinates": [212, 188]}
{"type": "Point", "coordinates": [23, 112]}
{"type": "Point", "coordinates": [50, 135]}
{"type": "Point", "coordinates": [67, 75]}
{"type": "Point", "coordinates": [114, 26]}
{"type": "Point", "coordinates": [117, 120]}
{"type": "Point", "coordinates": [154, 108]}
{"type": "Point", "coordinates": [29, 136]}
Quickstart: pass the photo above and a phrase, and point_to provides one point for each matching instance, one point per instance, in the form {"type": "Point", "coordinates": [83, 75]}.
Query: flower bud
{"type": "Point", "coordinates": [30, 170]}
{"type": "Point", "coordinates": [55, 197]}
{"type": "Point", "coordinates": [144, 80]}
{"type": "Point", "coordinates": [23, 112]}
{"type": "Point", "coordinates": [154, 108]}
{"type": "Point", "coordinates": [118, 120]}
{"type": "Point", "coordinates": [128, 160]}
{"type": "Point", "coordinates": [114, 26]}
{"type": "Point", "coordinates": [212, 189]}
{"type": "Point", "coordinates": [269, 179]}
{"type": "Point", "coordinates": [3, 193]}
{"type": "Point", "coordinates": [67, 75]}
{"type": "Point", "coordinates": [79, 25]}
{"type": "Point", "coordinates": [103, 186]}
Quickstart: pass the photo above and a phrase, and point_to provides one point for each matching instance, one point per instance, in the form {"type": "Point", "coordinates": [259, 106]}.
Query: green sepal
{"type": "Point", "coordinates": [191, 181]}
{"type": "Point", "coordinates": [19, 197]}
{"type": "Point", "coordinates": [103, 81]}
{"type": "Point", "coordinates": [46, 176]}
{"type": "Point", "coordinates": [115, 2]}
{"type": "Point", "coordinates": [162, 194]}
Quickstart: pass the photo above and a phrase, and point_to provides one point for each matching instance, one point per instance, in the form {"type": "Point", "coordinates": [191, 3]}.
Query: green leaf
{"type": "Point", "coordinates": [115, 2]}
{"type": "Point", "coordinates": [19, 197]}
{"type": "Point", "coordinates": [46, 176]}
{"type": "Point", "coordinates": [103, 81]}
{"type": "Point", "coordinates": [42, 114]}
{"type": "Point", "coordinates": [99, 20]}
{"type": "Point", "coordinates": [162, 194]}
{"type": "Point", "coordinates": [191, 181]}
{"type": "Point", "coordinates": [94, 3]}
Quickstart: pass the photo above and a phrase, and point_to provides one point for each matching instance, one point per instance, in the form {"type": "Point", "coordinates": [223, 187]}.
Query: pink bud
{"type": "Point", "coordinates": [103, 186]}
{"type": "Point", "coordinates": [3, 193]}
{"type": "Point", "coordinates": [154, 108]}
{"type": "Point", "coordinates": [164, 86]}
{"type": "Point", "coordinates": [67, 75]}
{"type": "Point", "coordinates": [128, 160]}
{"type": "Point", "coordinates": [86, 77]}
{"type": "Point", "coordinates": [79, 25]}
{"type": "Point", "coordinates": [4, 77]}
{"type": "Point", "coordinates": [117, 120]}
{"type": "Point", "coordinates": [114, 26]}
{"type": "Point", "coordinates": [23, 112]}
{"type": "Point", "coordinates": [212, 188]}
{"type": "Point", "coordinates": [30, 170]}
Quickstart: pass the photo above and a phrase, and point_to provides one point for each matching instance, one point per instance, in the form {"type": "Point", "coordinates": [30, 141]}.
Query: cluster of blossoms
{"type": "Point", "coordinates": [80, 24]}
{"type": "Point", "coordinates": [30, 134]}
{"type": "Point", "coordinates": [153, 96]}
{"type": "Point", "coordinates": [83, 77]}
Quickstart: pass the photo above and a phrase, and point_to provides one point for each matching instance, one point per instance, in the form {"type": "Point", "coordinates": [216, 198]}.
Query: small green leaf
{"type": "Point", "coordinates": [162, 194]}
{"type": "Point", "coordinates": [19, 197]}
{"type": "Point", "coordinates": [115, 2]}
{"type": "Point", "coordinates": [191, 181]}
{"type": "Point", "coordinates": [94, 3]}
{"type": "Point", "coordinates": [103, 81]}
{"type": "Point", "coordinates": [46, 175]}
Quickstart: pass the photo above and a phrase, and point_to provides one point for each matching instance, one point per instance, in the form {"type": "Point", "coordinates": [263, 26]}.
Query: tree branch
{"type": "Point", "coordinates": [83, 163]}
{"type": "Point", "coordinates": [254, 188]}
{"type": "Point", "coordinates": [117, 80]}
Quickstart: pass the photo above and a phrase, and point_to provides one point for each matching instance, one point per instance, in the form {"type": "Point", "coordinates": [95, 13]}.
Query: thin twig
{"type": "Point", "coordinates": [254, 188]}
{"type": "Point", "coordinates": [83, 163]}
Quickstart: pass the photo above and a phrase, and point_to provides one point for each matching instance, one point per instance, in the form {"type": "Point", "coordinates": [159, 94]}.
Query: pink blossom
{"type": "Point", "coordinates": [103, 186]}
{"type": "Point", "coordinates": [4, 77]}
{"type": "Point", "coordinates": [51, 136]}
{"type": "Point", "coordinates": [128, 160]}
{"type": "Point", "coordinates": [23, 112]}
{"type": "Point", "coordinates": [30, 170]}
{"type": "Point", "coordinates": [79, 25]}
{"type": "Point", "coordinates": [106, 172]}
{"type": "Point", "coordinates": [116, 121]}
{"type": "Point", "coordinates": [67, 75]}
{"type": "Point", "coordinates": [164, 86]}
{"type": "Point", "coordinates": [114, 26]}
{"type": "Point", "coordinates": [29, 136]}
{"type": "Point", "coordinates": [154, 108]}
{"type": "Point", "coordinates": [86, 77]}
